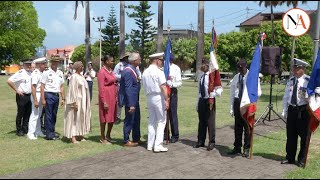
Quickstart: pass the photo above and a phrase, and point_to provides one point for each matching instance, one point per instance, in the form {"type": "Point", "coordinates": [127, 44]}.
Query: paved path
{"type": "Point", "coordinates": [181, 161]}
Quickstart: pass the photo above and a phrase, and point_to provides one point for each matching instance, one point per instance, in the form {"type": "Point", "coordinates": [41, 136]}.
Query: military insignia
{"type": "Point", "coordinates": [50, 80]}
{"type": "Point", "coordinates": [60, 76]}
{"type": "Point", "coordinates": [50, 74]}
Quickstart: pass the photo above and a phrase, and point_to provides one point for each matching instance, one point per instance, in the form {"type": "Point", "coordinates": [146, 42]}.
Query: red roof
{"type": "Point", "coordinates": [66, 51]}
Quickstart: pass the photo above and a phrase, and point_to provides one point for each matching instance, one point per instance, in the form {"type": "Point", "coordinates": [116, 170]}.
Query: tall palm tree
{"type": "Point", "coordinates": [200, 33]}
{"type": "Point", "coordinates": [122, 30]}
{"type": "Point", "coordinates": [160, 26]}
{"type": "Point", "coordinates": [87, 29]}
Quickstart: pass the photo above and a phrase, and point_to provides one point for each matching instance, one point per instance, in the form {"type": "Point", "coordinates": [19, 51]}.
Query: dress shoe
{"type": "Point", "coordinates": [174, 140]}
{"type": "Point", "coordinates": [210, 146]}
{"type": "Point", "coordinates": [139, 142]}
{"type": "Point", "coordinates": [32, 137]}
{"type": "Point", "coordinates": [131, 144]}
{"type": "Point", "coordinates": [287, 162]}
{"type": "Point", "coordinates": [160, 149]}
{"type": "Point", "coordinates": [300, 164]}
{"type": "Point", "coordinates": [246, 153]}
{"type": "Point", "coordinates": [54, 138]}
{"type": "Point", "coordinates": [149, 148]}
{"type": "Point", "coordinates": [20, 133]}
{"type": "Point", "coordinates": [198, 145]}
{"type": "Point", "coordinates": [235, 151]}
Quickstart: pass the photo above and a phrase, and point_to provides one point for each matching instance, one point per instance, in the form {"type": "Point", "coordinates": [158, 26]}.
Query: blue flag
{"type": "Point", "coordinates": [315, 76]}
{"type": "Point", "coordinates": [167, 53]}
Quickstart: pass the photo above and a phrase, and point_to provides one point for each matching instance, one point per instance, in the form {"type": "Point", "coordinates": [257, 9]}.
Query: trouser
{"type": "Point", "coordinates": [132, 122]}
{"type": "Point", "coordinates": [156, 121]}
{"type": "Point", "coordinates": [297, 125]}
{"type": "Point", "coordinates": [23, 112]}
{"type": "Point", "coordinates": [173, 115]}
{"type": "Point", "coordinates": [90, 83]}
{"type": "Point", "coordinates": [239, 126]}
{"type": "Point", "coordinates": [207, 119]}
{"type": "Point", "coordinates": [34, 121]}
{"type": "Point", "coordinates": [52, 104]}
{"type": "Point", "coordinates": [42, 119]}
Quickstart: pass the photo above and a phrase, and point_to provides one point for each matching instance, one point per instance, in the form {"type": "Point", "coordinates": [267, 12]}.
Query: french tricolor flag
{"type": "Point", "coordinates": [314, 94]}
{"type": "Point", "coordinates": [248, 105]}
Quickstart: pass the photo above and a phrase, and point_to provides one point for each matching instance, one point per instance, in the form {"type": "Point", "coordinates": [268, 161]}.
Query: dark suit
{"type": "Point", "coordinates": [129, 96]}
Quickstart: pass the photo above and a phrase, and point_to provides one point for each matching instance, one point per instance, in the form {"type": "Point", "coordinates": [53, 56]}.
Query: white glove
{"type": "Point", "coordinates": [169, 82]}
{"type": "Point", "coordinates": [231, 113]}
{"type": "Point", "coordinates": [284, 114]}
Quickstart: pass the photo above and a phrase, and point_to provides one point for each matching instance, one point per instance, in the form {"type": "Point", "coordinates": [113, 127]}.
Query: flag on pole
{"type": "Point", "coordinates": [166, 66]}
{"type": "Point", "coordinates": [214, 75]}
{"type": "Point", "coordinates": [250, 96]}
{"type": "Point", "coordinates": [313, 89]}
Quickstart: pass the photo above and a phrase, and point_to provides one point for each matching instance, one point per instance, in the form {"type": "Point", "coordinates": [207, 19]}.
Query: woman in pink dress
{"type": "Point", "coordinates": [107, 87]}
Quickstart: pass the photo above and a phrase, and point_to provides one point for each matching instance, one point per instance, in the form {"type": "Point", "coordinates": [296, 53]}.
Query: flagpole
{"type": "Point", "coordinates": [307, 148]}
{"type": "Point", "coordinates": [168, 117]}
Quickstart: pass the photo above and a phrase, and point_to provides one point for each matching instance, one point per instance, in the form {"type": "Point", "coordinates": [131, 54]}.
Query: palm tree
{"type": "Point", "coordinates": [200, 43]}
{"type": "Point", "coordinates": [160, 26]}
{"type": "Point", "coordinates": [122, 30]}
{"type": "Point", "coordinates": [87, 28]}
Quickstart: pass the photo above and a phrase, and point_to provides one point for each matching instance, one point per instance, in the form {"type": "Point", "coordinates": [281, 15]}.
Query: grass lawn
{"type": "Point", "coordinates": [18, 153]}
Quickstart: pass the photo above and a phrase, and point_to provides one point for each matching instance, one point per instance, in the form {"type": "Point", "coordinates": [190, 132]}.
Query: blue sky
{"type": "Point", "coordinates": [56, 17]}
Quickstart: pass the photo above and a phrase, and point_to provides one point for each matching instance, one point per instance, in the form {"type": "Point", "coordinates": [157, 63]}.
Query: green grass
{"type": "Point", "coordinates": [19, 154]}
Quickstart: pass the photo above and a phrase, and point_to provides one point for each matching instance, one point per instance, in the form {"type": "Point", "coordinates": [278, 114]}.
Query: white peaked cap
{"type": "Point", "coordinates": [299, 62]}
{"type": "Point", "coordinates": [156, 55]}
{"type": "Point", "coordinates": [40, 60]}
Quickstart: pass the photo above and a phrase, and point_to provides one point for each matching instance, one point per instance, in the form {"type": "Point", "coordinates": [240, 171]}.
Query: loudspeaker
{"type": "Point", "coordinates": [271, 60]}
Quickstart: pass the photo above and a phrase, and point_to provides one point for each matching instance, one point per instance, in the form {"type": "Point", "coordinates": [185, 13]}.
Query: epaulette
{"type": "Point", "coordinates": [292, 78]}
{"type": "Point", "coordinates": [306, 77]}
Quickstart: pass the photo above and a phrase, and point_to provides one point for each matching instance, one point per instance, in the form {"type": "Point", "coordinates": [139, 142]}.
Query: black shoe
{"type": "Point", "coordinates": [174, 140]}
{"type": "Point", "coordinates": [198, 145]}
{"type": "Point", "coordinates": [20, 133]}
{"type": "Point", "coordinates": [245, 153]}
{"type": "Point", "coordinates": [300, 164]}
{"type": "Point", "coordinates": [287, 162]}
{"type": "Point", "coordinates": [54, 138]}
{"type": "Point", "coordinates": [210, 146]}
{"type": "Point", "coordinates": [235, 152]}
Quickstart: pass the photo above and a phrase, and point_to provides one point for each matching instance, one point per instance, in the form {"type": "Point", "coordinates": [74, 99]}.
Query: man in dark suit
{"type": "Point", "coordinates": [129, 97]}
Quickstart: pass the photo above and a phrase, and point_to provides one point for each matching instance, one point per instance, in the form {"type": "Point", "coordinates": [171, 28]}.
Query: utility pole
{"type": "Point", "coordinates": [316, 38]}
{"type": "Point", "coordinates": [160, 26]}
{"type": "Point", "coordinates": [122, 45]}
{"type": "Point", "coordinates": [99, 19]}
{"type": "Point", "coordinates": [200, 36]}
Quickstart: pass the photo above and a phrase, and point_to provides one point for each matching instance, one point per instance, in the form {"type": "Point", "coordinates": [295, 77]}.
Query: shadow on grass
{"type": "Point", "coordinates": [12, 132]}
{"type": "Point", "coordinates": [270, 156]}
{"type": "Point", "coordinates": [268, 137]}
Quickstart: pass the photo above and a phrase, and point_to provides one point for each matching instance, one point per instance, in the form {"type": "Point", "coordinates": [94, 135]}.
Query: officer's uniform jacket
{"type": "Point", "coordinates": [22, 81]}
{"type": "Point", "coordinates": [302, 95]}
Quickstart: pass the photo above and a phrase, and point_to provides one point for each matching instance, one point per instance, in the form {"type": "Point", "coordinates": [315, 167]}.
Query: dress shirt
{"type": "Point", "coordinates": [175, 80]}
{"type": "Point", "coordinates": [22, 81]}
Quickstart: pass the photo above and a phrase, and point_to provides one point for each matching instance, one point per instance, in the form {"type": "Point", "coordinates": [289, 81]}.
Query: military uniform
{"type": "Point", "coordinates": [152, 79]}
{"type": "Point", "coordinates": [52, 82]}
{"type": "Point", "coordinates": [295, 102]}
{"type": "Point", "coordinates": [34, 121]}
{"type": "Point", "coordinates": [22, 82]}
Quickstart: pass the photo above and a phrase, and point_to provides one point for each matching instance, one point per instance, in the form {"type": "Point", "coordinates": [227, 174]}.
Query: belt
{"type": "Point", "coordinates": [299, 109]}
{"type": "Point", "coordinates": [53, 93]}
{"type": "Point", "coordinates": [27, 94]}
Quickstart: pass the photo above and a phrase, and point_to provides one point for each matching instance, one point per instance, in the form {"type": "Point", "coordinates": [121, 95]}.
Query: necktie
{"type": "Point", "coordinates": [240, 87]}
{"type": "Point", "coordinates": [294, 93]}
{"type": "Point", "coordinates": [202, 88]}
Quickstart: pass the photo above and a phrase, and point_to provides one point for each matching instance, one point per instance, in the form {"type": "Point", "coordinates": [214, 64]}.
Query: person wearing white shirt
{"type": "Point", "coordinates": [206, 107]}
{"type": "Point", "coordinates": [236, 91]}
{"type": "Point", "coordinates": [154, 82]}
{"type": "Point", "coordinates": [20, 82]}
{"type": "Point", "coordinates": [174, 82]}
{"type": "Point", "coordinates": [34, 121]}
{"type": "Point", "coordinates": [89, 76]}
{"type": "Point", "coordinates": [51, 86]}
{"type": "Point", "coordinates": [117, 71]}
{"type": "Point", "coordinates": [295, 101]}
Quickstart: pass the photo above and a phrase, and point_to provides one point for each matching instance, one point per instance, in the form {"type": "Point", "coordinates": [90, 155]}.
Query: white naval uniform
{"type": "Point", "coordinates": [302, 95]}
{"type": "Point", "coordinates": [152, 79]}
{"type": "Point", "coordinates": [34, 129]}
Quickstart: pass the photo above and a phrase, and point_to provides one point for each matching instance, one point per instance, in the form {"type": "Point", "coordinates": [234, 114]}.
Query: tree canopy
{"type": "Point", "coordinates": [20, 34]}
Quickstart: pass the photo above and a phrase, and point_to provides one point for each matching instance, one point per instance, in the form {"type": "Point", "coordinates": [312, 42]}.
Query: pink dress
{"type": "Point", "coordinates": [107, 87]}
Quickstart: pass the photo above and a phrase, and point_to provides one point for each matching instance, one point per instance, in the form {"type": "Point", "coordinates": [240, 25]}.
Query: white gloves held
{"type": "Point", "coordinates": [231, 113]}
{"type": "Point", "coordinates": [284, 114]}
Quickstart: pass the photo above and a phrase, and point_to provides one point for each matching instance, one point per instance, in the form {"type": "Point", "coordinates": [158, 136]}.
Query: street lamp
{"type": "Point", "coordinates": [99, 19]}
